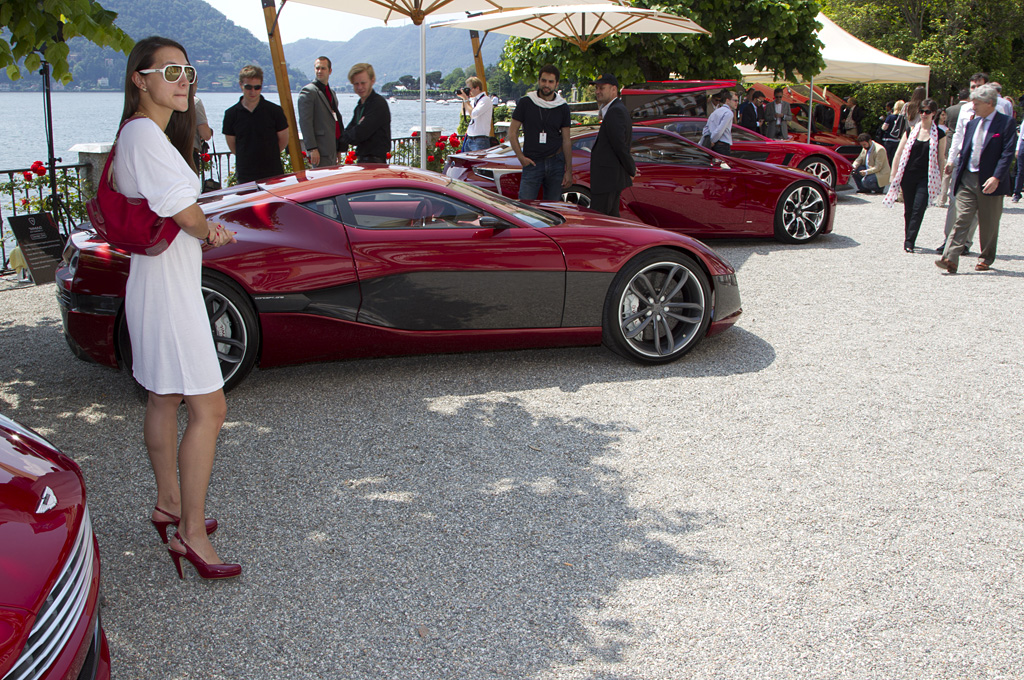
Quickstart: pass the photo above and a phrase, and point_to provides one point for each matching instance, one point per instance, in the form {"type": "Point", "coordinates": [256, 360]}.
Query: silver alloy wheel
{"type": "Point", "coordinates": [230, 336]}
{"type": "Point", "coordinates": [576, 197]}
{"type": "Point", "coordinates": [822, 171]}
{"type": "Point", "coordinates": [803, 212]}
{"type": "Point", "coordinates": [661, 309]}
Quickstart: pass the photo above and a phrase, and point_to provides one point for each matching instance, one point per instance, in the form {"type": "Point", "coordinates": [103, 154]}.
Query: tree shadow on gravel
{"type": "Point", "coordinates": [396, 518]}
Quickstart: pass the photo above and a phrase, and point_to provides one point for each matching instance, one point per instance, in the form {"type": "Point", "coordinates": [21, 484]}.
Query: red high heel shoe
{"type": "Point", "coordinates": [161, 527]}
{"type": "Point", "coordinates": [204, 570]}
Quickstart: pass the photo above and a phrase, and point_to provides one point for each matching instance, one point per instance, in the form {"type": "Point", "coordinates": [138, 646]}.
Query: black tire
{"type": "Point", "coordinates": [642, 319]}
{"type": "Point", "coordinates": [801, 213]}
{"type": "Point", "coordinates": [820, 167]}
{"type": "Point", "coordinates": [232, 322]}
{"type": "Point", "coordinates": [577, 195]}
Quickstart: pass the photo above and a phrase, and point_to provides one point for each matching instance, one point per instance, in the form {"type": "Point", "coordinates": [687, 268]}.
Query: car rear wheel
{"type": "Point", "coordinates": [822, 168]}
{"type": "Point", "coordinates": [801, 213]}
{"type": "Point", "coordinates": [232, 322]}
{"type": "Point", "coordinates": [658, 308]}
{"type": "Point", "coordinates": [577, 195]}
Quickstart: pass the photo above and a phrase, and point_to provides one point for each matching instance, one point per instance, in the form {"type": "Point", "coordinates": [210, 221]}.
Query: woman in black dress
{"type": "Point", "coordinates": [919, 160]}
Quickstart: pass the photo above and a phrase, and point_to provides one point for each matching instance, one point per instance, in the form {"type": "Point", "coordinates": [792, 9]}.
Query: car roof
{"type": "Point", "coordinates": [311, 185]}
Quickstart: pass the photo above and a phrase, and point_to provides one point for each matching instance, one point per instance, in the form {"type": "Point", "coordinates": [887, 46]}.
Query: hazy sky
{"type": "Point", "coordinates": [297, 21]}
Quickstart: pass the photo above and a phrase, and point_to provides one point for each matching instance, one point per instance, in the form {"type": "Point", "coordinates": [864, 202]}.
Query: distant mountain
{"type": "Point", "coordinates": [393, 51]}
{"type": "Point", "coordinates": [217, 46]}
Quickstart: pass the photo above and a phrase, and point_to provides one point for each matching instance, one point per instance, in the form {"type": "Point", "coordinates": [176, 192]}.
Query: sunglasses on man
{"type": "Point", "coordinates": [172, 72]}
{"type": "Point", "coordinates": [253, 87]}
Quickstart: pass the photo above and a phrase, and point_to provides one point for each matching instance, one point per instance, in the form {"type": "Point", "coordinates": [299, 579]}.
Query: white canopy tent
{"type": "Point", "coordinates": [849, 60]}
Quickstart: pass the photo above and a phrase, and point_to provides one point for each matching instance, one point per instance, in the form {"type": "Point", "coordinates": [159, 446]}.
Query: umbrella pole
{"type": "Point", "coordinates": [423, 96]}
{"type": "Point", "coordinates": [284, 89]}
{"type": "Point", "coordinates": [810, 113]}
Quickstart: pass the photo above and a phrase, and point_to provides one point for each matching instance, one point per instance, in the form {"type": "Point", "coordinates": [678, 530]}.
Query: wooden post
{"type": "Point", "coordinates": [284, 90]}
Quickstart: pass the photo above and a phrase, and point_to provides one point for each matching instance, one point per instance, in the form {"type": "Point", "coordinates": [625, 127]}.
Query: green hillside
{"type": "Point", "coordinates": [216, 45]}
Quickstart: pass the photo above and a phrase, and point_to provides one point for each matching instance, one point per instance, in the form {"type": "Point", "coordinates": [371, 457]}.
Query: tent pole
{"type": "Point", "coordinates": [284, 90]}
{"type": "Point", "coordinates": [423, 96]}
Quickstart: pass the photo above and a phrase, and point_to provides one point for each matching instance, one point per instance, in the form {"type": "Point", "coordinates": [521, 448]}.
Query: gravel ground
{"type": "Point", "coordinates": [831, 489]}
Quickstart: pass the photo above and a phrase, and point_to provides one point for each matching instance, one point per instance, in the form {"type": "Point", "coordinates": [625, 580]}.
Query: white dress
{"type": "Point", "coordinates": [172, 346]}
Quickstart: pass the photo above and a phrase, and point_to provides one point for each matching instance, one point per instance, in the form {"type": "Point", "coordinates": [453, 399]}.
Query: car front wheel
{"type": "Point", "coordinates": [577, 195]}
{"type": "Point", "coordinates": [658, 308]}
{"type": "Point", "coordinates": [820, 168]}
{"type": "Point", "coordinates": [801, 213]}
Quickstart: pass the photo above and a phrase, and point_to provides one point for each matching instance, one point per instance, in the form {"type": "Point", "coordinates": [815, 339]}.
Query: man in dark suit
{"type": "Point", "coordinates": [750, 110]}
{"type": "Point", "coordinates": [981, 179]}
{"type": "Point", "coordinates": [320, 121]}
{"type": "Point", "coordinates": [611, 164]}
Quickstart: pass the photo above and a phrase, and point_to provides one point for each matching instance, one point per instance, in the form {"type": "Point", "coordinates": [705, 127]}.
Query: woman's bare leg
{"type": "Point", "coordinates": [206, 413]}
{"type": "Point", "coordinates": [160, 430]}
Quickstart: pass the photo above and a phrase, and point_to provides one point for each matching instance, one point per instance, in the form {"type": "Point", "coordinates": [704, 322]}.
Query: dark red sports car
{"type": "Point", "coordinates": [681, 187]}
{"type": "Point", "coordinates": [361, 262]}
{"type": "Point", "coordinates": [825, 164]}
{"type": "Point", "coordinates": [49, 565]}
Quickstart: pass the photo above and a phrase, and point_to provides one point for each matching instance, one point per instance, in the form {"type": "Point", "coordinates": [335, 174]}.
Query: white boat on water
{"type": "Point", "coordinates": [392, 100]}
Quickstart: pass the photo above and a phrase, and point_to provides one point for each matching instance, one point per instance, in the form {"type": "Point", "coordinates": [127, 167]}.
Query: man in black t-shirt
{"type": "Point", "coordinates": [369, 130]}
{"type": "Point", "coordinates": [546, 153]}
{"type": "Point", "coordinates": [256, 130]}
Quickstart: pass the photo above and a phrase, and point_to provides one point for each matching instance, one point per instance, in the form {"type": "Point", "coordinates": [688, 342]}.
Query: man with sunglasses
{"type": "Point", "coordinates": [777, 117]}
{"type": "Point", "coordinates": [256, 130]}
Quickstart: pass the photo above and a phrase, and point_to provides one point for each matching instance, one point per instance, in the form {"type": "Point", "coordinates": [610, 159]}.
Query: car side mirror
{"type": "Point", "coordinates": [492, 222]}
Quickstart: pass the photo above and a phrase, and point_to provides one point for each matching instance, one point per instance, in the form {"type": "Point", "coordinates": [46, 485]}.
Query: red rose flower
{"type": "Point", "coordinates": [455, 144]}
{"type": "Point", "coordinates": [439, 145]}
{"type": "Point", "coordinates": [206, 158]}
{"type": "Point", "coordinates": [430, 159]}
{"type": "Point", "coordinates": [41, 170]}
{"type": "Point", "coordinates": [28, 176]}
{"type": "Point", "coordinates": [502, 140]}
{"type": "Point", "coordinates": [24, 201]}
{"type": "Point", "coordinates": [415, 133]}
{"type": "Point", "coordinates": [304, 154]}
{"type": "Point", "coordinates": [387, 155]}
{"type": "Point", "coordinates": [453, 138]}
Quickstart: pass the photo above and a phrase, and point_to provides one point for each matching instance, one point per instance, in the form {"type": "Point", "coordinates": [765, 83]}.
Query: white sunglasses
{"type": "Point", "coordinates": [172, 72]}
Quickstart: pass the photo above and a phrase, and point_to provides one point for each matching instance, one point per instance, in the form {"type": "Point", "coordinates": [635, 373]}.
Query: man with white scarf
{"type": "Point", "coordinates": [546, 153]}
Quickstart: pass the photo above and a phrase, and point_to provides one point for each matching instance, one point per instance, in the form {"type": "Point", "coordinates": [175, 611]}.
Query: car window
{"type": "Point", "coordinates": [742, 134]}
{"type": "Point", "coordinates": [408, 209]}
{"type": "Point", "coordinates": [325, 206]}
{"type": "Point", "coordinates": [583, 144]}
{"type": "Point", "coordinates": [665, 149]}
{"type": "Point", "coordinates": [691, 129]}
{"type": "Point", "coordinates": [532, 216]}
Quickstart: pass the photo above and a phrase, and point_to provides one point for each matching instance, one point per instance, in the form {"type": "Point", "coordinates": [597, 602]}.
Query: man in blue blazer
{"type": "Point", "coordinates": [981, 179]}
{"type": "Point", "coordinates": [611, 163]}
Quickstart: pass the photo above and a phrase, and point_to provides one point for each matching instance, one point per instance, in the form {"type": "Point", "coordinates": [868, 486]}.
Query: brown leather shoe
{"type": "Point", "coordinates": [943, 263]}
{"type": "Point", "coordinates": [981, 267]}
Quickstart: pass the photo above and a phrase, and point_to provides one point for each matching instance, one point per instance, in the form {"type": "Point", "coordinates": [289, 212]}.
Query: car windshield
{"type": "Point", "coordinates": [530, 215]}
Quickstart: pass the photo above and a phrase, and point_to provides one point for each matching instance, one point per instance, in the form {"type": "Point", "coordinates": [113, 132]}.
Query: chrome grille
{"type": "Point", "coordinates": [61, 610]}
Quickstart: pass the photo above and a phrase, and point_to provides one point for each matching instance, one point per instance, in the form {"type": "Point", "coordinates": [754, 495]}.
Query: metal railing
{"type": "Point", "coordinates": [19, 195]}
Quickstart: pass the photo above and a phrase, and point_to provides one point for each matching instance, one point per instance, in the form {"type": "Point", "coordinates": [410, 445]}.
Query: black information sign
{"type": "Point", "coordinates": [40, 243]}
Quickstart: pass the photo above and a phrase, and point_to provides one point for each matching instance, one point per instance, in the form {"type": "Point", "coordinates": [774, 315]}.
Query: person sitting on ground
{"type": "Point", "coordinates": [871, 169]}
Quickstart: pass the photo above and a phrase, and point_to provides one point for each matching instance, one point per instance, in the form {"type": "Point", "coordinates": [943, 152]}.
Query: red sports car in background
{"type": "Point", "coordinates": [681, 187]}
{"type": "Point", "coordinates": [49, 565]}
{"type": "Point", "coordinates": [825, 164]}
{"type": "Point", "coordinates": [373, 261]}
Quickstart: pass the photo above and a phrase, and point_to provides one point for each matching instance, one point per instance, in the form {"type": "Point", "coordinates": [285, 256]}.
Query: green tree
{"type": "Point", "coordinates": [41, 28]}
{"type": "Point", "coordinates": [434, 79]}
{"type": "Point", "coordinates": [454, 80]}
{"type": "Point", "coordinates": [773, 34]}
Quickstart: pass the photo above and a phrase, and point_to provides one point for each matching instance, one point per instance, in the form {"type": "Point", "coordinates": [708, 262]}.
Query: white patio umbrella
{"type": "Point", "coordinates": [581, 25]}
{"type": "Point", "coordinates": [417, 11]}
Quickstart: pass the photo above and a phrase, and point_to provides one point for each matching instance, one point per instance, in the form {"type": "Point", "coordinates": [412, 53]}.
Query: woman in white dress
{"type": "Point", "coordinates": [172, 347]}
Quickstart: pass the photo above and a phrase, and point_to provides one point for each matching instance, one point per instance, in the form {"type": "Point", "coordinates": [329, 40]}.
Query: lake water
{"type": "Point", "coordinates": [83, 117]}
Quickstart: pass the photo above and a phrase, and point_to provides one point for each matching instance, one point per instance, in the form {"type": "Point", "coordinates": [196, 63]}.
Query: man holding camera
{"type": "Point", "coordinates": [478, 106]}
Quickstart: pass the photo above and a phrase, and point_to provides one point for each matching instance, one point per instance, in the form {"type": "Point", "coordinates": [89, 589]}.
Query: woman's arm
{"type": "Point", "coordinates": [194, 223]}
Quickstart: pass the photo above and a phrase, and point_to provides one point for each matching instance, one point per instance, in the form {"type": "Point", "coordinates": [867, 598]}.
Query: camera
{"type": "Point", "coordinates": [463, 90]}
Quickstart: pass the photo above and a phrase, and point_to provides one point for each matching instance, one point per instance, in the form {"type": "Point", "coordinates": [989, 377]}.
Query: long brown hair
{"type": "Point", "coordinates": [913, 107]}
{"type": "Point", "coordinates": [181, 128]}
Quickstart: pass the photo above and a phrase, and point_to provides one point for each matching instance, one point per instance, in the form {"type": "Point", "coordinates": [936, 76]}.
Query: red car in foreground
{"type": "Point", "coordinates": [681, 187]}
{"type": "Point", "coordinates": [373, 261]}
{"type": "Point", "coordinates": [49, 565]}
{"type": "Point", "coordinates": [825, 164]}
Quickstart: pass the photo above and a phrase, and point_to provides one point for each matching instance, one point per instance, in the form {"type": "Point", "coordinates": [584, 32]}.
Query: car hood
{"type": "Point", "coordinates": [42, 503]}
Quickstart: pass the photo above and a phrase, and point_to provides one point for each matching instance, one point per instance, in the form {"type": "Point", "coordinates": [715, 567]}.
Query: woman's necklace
{"type": "Point", "coordinates": [140, 114]}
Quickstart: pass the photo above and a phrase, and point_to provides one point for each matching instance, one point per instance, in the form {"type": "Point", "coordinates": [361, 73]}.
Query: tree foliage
{"type": "Point", "coordinates": [38, 30]}
{"type": "Point", "coordinates": [773, 34]}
